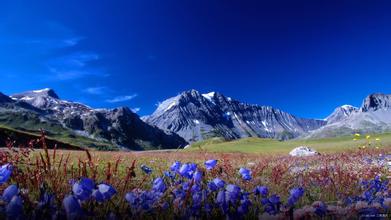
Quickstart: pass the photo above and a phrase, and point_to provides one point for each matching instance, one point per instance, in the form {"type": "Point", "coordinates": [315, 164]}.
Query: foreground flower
{"type": "Point", "coordinates": [159, 185]}
{"type": "Point", "coordinates": [10, 192]}
{"type": "Point", "coordinates": [72, 207]}
{"type": "Point", "coordinates": [261, 190]}
{"type": "Point", "coordinates": [5, 173]}
{"type": "Point", "coordinates": [272, 204]}
{"type": "Point", "coordinates": [197, 176]}
{"type": "Point", "coordinates": [219, 183]}
{"type": "Point", "coordinates": [146, 169]}
{"type": "Point", "coordinates": [175, 166]}
{"type": "Point", "coordinates": [83, 189]}
{"type": "Point", "coordinates": [210, 164]}
{"type": "Point", "coordinates": [246, 173]}
{"type": "Point", "coordinates": [187, 170]}
{"type": "Point", "coordinates": [143, 201]}
{"type": "Point", "coordinates": [104, 192]}
{"type": "Point", "coordinates": [320, 208]}
{"type": "Point", "coordinates": [295, 195]}
{"type": "Point", "coordinates": [233, 193]}
{"type": "Point", "coordinates": [14, 208]}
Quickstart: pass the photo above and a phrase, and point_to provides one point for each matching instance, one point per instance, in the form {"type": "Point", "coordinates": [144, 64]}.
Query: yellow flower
{"type": "Point", "coordinates": [377, 147]}
{"type": "Point", "coordinates": [363, 147]}
{"type": "Point", "coordinates": [357, 134]}
{"type": "Point", "coordinates": [377, 139]}
{"type": "Point", "coordinates": [354, 139]}
{"type": "Point", "coordinates": [368, 136]}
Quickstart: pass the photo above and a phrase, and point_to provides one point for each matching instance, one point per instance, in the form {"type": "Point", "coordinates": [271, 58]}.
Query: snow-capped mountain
{"type": "Point", "coordinates": [119, 126]}
{"type": "Point", "coordinates": [374, 116]}
{"type": "Point", "coordinates": [341, 113]}
{"type": "Point", "coordinates": [187, 117]}
{"type": "Point", "coordinates": [195, 116]}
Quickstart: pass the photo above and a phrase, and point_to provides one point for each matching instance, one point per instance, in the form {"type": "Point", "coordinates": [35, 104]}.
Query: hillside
{"type": "Point", "coordinates": [21, 138]}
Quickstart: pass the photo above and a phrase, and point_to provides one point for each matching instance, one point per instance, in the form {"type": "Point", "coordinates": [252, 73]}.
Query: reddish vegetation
{"type": "Point", "coordinates": [330, 178]}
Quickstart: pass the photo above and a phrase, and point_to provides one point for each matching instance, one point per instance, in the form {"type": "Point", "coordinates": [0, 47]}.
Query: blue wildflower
{"type": "Point", "coordinates": [104, 192]}
{"type": "Point", "coordinates": [5, 172]}
{"type": "Point", "coordinates": [197, 176]}
{"type": "Point", "coordinates": [275, 199]}
{"type": "Point", "coordinates": [370, 211]}
{"type": "Point", "coordinates": [232, 188]}
{"type": "Point", "coordinates": [220, 199]}
{"type": "Point", "coordinates": [243, 208]}
{"type": "Point", "coordinates": [83, 189]}
{"type": "Point", "coordinates": [261, 190]}
{"type": "Point", "coordinates": [233, 193]}
{"type": "Point", "coordinates": [210, 164]}
{"type": "Point", "coordinates": [219, 182]}
{"type": "Point", "coordinates": [186, 186]}
{"type": "Point", "coordinates": [14, 208]}
{"type": "Point", "coordinates": [272, 204]}
{"type": "Point", "coordinates": [131, 198]}
{"type": "Point", "coordinates": [212, 186]}
{"type": "Point", "coordinates": [320, 208]}
{"type": "Point", "coordinates": [146, 169]}
{"type": "Point", "coordinates": [179, 193]}
{"type": "Point", "coordinates": [10, 192]}
{"type": "Point", "coordinates": [72, 207]}
{"type": "Point", "coordinates": [175, 166]}
{"type": "Point", "coordinates": [107, 190]}
{"type": "Point", "coordinates": [196, 188]}
{"type": "Point", "coordinates": [169, 174]}
{"type": "Point", "coordinates": [192, 167]}
{"type": "Point", "coordinates": [46, 207]}
{"type": "Point", "coordinates": [246, 173]}
{"type": "Point", "coordinates": [295, 195]}
{"type": "Point", "coordinates": [143, 201]}
{"type": "Point", "coordinates": [184, 170]}
{"type": "Point", "coordinates": [98, 196]}
{"type": "Point", "coordinates": [187, 170]}
{"type": "Point", "coordinates": [159, 185]}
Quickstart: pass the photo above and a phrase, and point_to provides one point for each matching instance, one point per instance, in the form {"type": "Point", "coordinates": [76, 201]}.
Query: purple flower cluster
{"type": "Point", "coordinates": [86, 190]}
{"type": "Point", "coordinates": [187, 190]}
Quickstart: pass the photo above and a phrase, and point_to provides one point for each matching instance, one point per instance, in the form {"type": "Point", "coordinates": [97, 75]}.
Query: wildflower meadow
{"type": "Point", "coordinates": [60, 184]}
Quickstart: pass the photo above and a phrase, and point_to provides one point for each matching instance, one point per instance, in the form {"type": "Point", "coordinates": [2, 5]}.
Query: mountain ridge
{"type": "Point", "coordinates": [120, 126]}
{"type": "Point", "coordinates": [373, 116]}
{"type": "Point", "coordinates": [196, 116]}
{"type": "Point", "coordinates": [186, 118]}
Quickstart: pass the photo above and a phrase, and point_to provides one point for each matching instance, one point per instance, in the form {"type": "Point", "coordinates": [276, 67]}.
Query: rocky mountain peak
{"type": "Point", "coordinates": [376, 101]}
{"type": "Point", "coordinates": [195, 116]}
{"type": "Point", "coordinates": [47, 92]}
{"type": "Point", "coordinates": [340, 113]}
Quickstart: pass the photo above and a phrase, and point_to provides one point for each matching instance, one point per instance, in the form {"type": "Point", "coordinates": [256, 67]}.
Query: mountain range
{"type": "Point", "coordinates": [186, 118]}
{"type": "Point", "coordinates": [195, 116]}
{"type": "Point", "coordinates": [119, 127]}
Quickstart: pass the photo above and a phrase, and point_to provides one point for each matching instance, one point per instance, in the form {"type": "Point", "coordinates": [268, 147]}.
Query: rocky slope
{"type": "Point", "coordinates": [195, 116]}
{"type": "Point", "coordinates": [374, 116]}
{"type": "Point", "coordinates": [341, 113]}
{"type": "Point", "coordinates": [120, 126]}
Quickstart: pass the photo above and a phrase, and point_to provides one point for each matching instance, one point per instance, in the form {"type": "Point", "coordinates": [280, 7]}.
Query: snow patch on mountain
{"type": "Point", "coordinates": [209, 96]}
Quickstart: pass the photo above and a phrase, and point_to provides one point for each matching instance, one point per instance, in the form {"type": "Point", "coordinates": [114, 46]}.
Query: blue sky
{"type": "Point", "coordinates": [304, 57]}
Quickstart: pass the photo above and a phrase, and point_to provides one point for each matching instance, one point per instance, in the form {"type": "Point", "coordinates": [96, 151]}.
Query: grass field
{"type": "Point", "coordinates": [250, 179]}
{"type": "Point", "coordinates": [270, 146]}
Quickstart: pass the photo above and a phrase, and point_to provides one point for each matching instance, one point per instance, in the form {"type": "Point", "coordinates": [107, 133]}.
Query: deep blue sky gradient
{"type": "Point", "coordinates": [304, 57]}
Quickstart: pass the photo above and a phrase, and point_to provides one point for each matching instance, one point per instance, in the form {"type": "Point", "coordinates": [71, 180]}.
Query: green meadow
{"type": "Point", "coordinates": [271, 146]}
